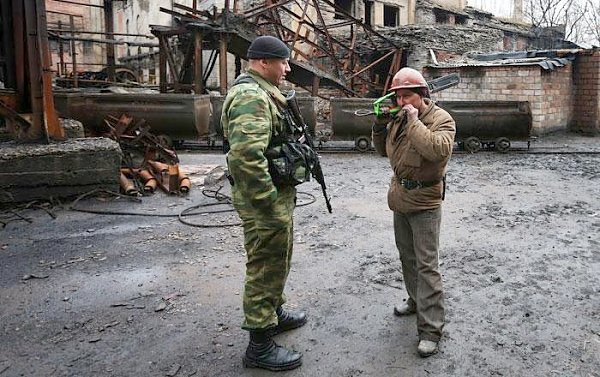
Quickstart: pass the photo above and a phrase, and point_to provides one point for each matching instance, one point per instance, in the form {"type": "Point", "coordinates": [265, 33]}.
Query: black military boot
{"type": "Point", "coordinates": [263, 352]}
{"type": "Point", "coordinates": [288, 321]}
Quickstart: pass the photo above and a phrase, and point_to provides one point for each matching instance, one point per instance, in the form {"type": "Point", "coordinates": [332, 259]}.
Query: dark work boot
{"type": "Point", "coordinates": [263, 352]}
{"type": "Point", "coordinates": [288, 321]}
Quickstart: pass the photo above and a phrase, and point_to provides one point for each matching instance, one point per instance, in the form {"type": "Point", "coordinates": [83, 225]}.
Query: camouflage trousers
{"type": "Point", "coordinates": [268, 240]}
{"type": "Point", "coordinates": [417, 237]}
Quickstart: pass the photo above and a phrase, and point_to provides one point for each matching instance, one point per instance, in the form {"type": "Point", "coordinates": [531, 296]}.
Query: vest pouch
{"type": "Point", "coordinates": [291, 163]}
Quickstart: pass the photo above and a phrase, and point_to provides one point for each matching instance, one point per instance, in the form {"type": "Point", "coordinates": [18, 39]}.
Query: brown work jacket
{"type": "Point", "coordinates": [418, 150]}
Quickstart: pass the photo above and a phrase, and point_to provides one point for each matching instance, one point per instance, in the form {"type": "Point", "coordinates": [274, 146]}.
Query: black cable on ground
{"type": "Point", "coordinates": [222, 199]}
{"type": "Point", "coordinates": [215, 194]}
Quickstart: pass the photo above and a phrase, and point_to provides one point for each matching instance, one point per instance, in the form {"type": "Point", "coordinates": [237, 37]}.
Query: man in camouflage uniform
{"type": "Point", "coordinates": [418, 143]}
{"type": "Point", "coordinates": [251, 123]}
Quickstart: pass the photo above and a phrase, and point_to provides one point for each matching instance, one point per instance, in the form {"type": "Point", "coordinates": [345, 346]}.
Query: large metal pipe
{"type": "Point", "coordinates": [485, 120]}
{"type": "Point", "coordinates": [488, 120]}
{"type": "Point", "coordinates": [179, 116]}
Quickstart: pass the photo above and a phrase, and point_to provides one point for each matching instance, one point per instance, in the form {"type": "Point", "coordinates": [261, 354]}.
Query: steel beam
{"type": "Point", "coordinates": [198, 82]}
{"type": "Point", "coordinates": [51, 123]}
{"type": "Point", "coordinates": [74, 56]}
{"type": "Point", "coordinates": [37, 130]}
{"type": "Point", "coordinates": [18, 22]}
{"type": "Point", "coordinates": [110, 48]}
{"type": "Point", "coordinates": [223, 64]}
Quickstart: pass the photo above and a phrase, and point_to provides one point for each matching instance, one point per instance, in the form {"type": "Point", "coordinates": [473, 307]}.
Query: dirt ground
{"type": "Point", "coordinates": [114, 295]}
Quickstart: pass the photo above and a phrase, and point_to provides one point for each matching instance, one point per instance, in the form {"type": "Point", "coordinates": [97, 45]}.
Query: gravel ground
{"type": "Point", "coordinates": [106, 295]}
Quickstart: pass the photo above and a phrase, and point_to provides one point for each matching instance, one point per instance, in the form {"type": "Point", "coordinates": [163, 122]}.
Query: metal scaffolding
{"type": "Point", "coordinates": [339, 52]}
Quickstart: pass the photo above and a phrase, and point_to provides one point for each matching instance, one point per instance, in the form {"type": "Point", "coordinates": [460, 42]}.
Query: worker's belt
{"type": "Point", "coordinates": [410, 184]}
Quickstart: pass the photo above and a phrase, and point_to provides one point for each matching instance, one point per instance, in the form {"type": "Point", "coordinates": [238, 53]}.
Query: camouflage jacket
{"type": "Point", "coordinates": [250, 119]}
{"type": "Point", "coordinates": [418, 150]}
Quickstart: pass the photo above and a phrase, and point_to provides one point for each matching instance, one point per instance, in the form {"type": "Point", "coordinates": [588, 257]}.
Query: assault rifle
{"type": "Point", "coordinates": [292, 114]}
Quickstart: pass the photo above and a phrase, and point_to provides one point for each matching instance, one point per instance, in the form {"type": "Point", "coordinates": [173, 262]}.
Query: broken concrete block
{"type": "Point", "coordinates": [73, 128]}
{"type": "Point", "coordinates": [58, 170]}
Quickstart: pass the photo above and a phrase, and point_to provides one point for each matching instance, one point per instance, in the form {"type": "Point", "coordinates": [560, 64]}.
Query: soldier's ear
{"type": "Point", "coordinates": [264, 63]}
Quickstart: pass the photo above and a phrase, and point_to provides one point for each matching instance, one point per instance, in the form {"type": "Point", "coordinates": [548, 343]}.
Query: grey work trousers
{"type": "Point", "coordinates": [417, 237]}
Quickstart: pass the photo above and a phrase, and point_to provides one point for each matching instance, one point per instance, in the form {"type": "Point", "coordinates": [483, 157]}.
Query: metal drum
{"type": "Point", "coordinates": [492, 124]}
{"type": "Point", "coordinates": [345, 125]}
{"type": "Point", "coordinates": [178, 116]}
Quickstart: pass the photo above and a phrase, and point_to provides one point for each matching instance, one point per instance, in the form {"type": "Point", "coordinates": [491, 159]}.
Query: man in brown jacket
{"type": "Point", "coordinates": [418, 143]}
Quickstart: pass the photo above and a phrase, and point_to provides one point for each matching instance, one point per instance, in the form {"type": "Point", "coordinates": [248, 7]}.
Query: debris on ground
{"type": "Point", "coordinates": [149, 162]}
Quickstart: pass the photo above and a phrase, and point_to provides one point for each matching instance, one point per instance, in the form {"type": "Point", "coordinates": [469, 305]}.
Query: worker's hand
{"type": "Point", "coordinates": [411, 112]}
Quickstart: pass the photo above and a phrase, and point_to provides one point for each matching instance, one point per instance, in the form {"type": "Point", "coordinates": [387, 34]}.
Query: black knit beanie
{"type": "Point", "coordinates": [267, 47]}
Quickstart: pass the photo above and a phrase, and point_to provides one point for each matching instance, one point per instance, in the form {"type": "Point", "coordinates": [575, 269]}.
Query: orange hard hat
{"type": "Point", "coordinates": [408, 78]}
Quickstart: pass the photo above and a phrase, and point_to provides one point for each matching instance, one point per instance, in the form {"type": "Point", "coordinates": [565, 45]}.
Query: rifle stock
{"type": "Point", "coordinates": [305, 138]}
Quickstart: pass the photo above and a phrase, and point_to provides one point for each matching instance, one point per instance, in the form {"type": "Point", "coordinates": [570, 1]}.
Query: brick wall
{"type": "Point", "coordinates": [548, 92]}
{"type": "Point", "coordinates": [85, 18]}
{"type": "Point", "coordinates": [556, 99]}
{"type": "Point", "coordinates": [586, 80]}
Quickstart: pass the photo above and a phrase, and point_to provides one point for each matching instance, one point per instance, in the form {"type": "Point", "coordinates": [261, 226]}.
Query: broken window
{"type": "Point", "coordinates": [390, 16]}
{"type": "Point", "coordinates": [441, 17]}
{"type": "Point", "coordinates": [368, 12]}
{"type": "Point", "coordinates": [345, 5]}
{"type": "Point", "coordinates": [54, 47]}
{"type": "Point", "coordinates": [461, 20]}
{"type": "Point", "coordinates": [88, 47]}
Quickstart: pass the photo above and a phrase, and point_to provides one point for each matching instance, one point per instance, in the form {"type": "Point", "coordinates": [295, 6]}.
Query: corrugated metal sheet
{"type": "Point", "coordinates": [547, 59]}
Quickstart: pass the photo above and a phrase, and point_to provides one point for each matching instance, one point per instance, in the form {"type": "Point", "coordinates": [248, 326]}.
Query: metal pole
{"type": "Point", "coordinates": [74, 54]}
{"type": "Point", "coordinates": [61, 57]}
{"type": "Point", "coordinates": [51, 123]}
{"type": "Point", "coordinates": [162, 64]}
{"type": "Point", "coordinates": [18, 25]}
{"type": "Point", "coordinates": [7, 42]}
{"type": "Point", "coordinates": [198, 87]}
{"type": "Point", "coordinates": [37, 130]}
{"type": "Point", "coordinates": [315, 85]}
{"type": "Point", "coordinates": [110, 48]}
{"type": "Point", "coordinates": [223, 52]}
{"type": "Point", "coordinates": [223, 64]}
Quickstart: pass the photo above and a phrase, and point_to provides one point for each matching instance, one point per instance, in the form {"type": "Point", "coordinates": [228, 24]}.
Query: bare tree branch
{"type": "Point", "coordinates": [592, 22]}
{"type": "Point", "coordinates": [578, 19]}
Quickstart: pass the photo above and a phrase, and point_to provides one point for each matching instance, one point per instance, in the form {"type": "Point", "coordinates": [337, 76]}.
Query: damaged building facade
{"type": "Point", "coordinates": [431, 35]}
{"type": "Point", "coordinates": [562, 87]}
{"type": "Point", "coordinates": [413, 23]}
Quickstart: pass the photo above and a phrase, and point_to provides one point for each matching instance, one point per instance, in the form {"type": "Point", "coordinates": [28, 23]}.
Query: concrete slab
{"type": "Point", "coordinates": [57, 170]}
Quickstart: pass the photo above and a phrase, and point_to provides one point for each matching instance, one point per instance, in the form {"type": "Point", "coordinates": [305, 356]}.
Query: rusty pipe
{"type": "Point", "coordinates": [150, 182]}
{"type": "Point", "coordinates": [145, 176]}
{"type": "Point", "coordinates": [130, 172]}
{"type": "Point", "coordinates": [173, 179]}
{"type": "Point", "coordinates": [185, 184]}
{"type": "Point", "coordinates": [127, 185]}
{"type": "Point", "coordinates": [158, 167]}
